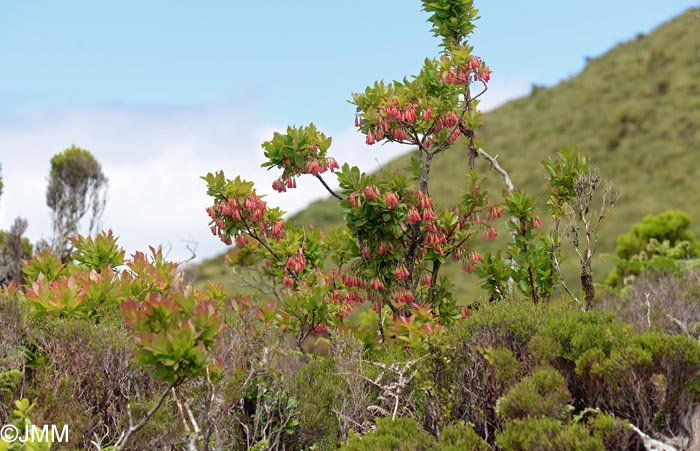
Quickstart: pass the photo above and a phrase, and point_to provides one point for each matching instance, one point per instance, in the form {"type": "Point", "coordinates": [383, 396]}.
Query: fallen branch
{"type": "Point", "coordinates": [652, 444]}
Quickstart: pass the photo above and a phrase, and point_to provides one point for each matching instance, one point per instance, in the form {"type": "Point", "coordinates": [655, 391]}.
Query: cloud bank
{"type": "Point", "coordinates": [153, 159]}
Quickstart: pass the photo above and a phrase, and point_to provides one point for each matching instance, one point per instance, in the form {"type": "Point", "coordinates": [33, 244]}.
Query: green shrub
{"type": "Point", "coordinates": [660, 243]}
{"type": "Point", "coordinates": [546, 434]}
{"type": "Point", "coordinates": [318, 387]}
{"type": "Point", "coordinates": [461, 437]}
{"type": "Point", "coordinates": [577, 332]}
{"type": "Point", "coordinates": [9, 381]}
{"type": "Point", "coordinates": [83, 375]}
{"type": "Point", "coordinates": [543, 393]}
{"type": "Point", "coordinates": [671, 225]}
{"type": "Point", "coordinates": [505, 363]}
{"type": "Point", "coordinates": [470, 366]}
{"type": "Point", "coordinates": [400, 435]}
{"type": "Point", "coordinates": [648, 378]}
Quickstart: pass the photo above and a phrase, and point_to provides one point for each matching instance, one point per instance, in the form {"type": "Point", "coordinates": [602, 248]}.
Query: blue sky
{"type": "Point", "coordinates": [163, 91]}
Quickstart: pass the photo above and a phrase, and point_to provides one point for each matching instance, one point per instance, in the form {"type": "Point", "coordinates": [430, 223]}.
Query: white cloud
{"type": "Point", "coordinates": [153, 159]}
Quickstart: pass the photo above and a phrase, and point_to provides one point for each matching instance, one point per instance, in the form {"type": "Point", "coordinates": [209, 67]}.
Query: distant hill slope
{"type": "Point", "coordinates": [635, 111]}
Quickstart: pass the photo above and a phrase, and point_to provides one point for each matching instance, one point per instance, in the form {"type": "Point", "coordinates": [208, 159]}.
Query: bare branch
{"type": "Point", "coordinates": [328, 188]}
{"type": "Point", "coordinates": [133, 428]}
{"type": "Point", "coordinates": [494, 164]}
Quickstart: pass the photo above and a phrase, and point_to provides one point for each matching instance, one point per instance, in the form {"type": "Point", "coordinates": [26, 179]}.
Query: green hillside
{"type": "Point", "coordinates": [635, 112]}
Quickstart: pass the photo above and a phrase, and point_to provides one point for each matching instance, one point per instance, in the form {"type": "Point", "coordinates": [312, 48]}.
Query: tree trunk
{"type": "Point", "coordinates": [588, 288]}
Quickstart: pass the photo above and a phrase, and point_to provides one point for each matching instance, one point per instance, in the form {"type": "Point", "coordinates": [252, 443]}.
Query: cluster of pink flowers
{"type": "Point", "coordinates": [414, 216]}
{"type": "Point", "coordinates": [489, 234]}
{"type": "Point", "coordinates": [393, 122]}
{"type": "Point", "coordinates": [281, 184]}
{"type": "Point", "coordinates": [401, 272]}
{"type": "Point", "coordinates": [470, 264]}
{"type": "Point", "coordinates": [369, 192]}
{"type": "Point", "coordinates": [404, 296]}
{"type": "Point", "coordinates": [248, 210]}
{"type": "Point", "coordinates": [536, 223]}
{"type": "Point", "coordinates": [494, 213]}
{"type": "Point", "coordinates": [314, 166]}
{"type": "Point", "coordinates": [406, 114]}
{"type": "Point", "coordinates": [348, 299]}
{"type": "Point", "coordinates": [391, 199]}
{"type": "Point", "coordinates": [376, 284]}
{"type": "Point", "coordinates": [352, 281]}
{"type": "Point", "coordinates": [448, 120]}
{"type": "Point", "coordinates": [475, 70]}
{"type": "Point", "coordinates": [295, 265]}
{"type": "Point", "coordinates": [435, 237]}
{"type": "Point", "coordinates": [384, 249]}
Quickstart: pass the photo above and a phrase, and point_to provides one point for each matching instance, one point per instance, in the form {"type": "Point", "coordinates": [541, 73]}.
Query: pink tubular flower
{"type": "Point", "coordinates": [371, 192]}
{"type": "Point", "coordinates": [404, 296]}
{"type": "Point", "coordinates": [485, 74]}
{"type": "Point", "coordinates": [494, 212]}
{"type": "Point", "coordinates": [428, 114]}
{"type": "Point", "coordinates": [376, 284]}
{"type": "Point", "coordinates": [296, 263]}
{"type": "Point", "coordinates": [399, 134]}
{"type": "Point", "coordinates": [314, 168]}
{"type": "Point", "coordinates": [370, 139]}
{"type": "Point", "coordinates": [365, 251]}
{"type": "Point", "coordinates": [456, 134]}
{"type": "Point", "coordinates": [332, 164]}
{"type": "Point", "coordinates": [401, 272]}
{"type": "Point", "coordinates": [425, 202]}
{"type": "Point", "coordinates": [391, 199]}
{"type": "Point", "coordinates": [279, 186]}
{"type": "Point", "coordinates": [277, 231]}
{"type": "Point", "coordinates": [536, 222]}
{"type": "Point", "coordinates": [413, 216]}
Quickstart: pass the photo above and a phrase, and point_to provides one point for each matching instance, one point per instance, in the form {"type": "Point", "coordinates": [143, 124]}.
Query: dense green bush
{"type": "Point", "coordinates": [318, 386]}
{"type": "Point", "coordinates": [648, 378]}
{"type": "Point", "coordinates": [546, 434]}
{"type": "Point", "coordinates": [543, 393]}
{"type": "Point", "coordinates": [461, 437]}
{"type": "Point", "coordinates": [403, 434]}
{"type": "Point", "coordinates": [662, 242]}
{"type": "Point", "coordinates": [400, 435]}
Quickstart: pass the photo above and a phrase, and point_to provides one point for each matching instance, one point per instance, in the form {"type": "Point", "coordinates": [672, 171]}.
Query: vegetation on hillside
{"type": "Point", "coordinates": [633, 111]}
